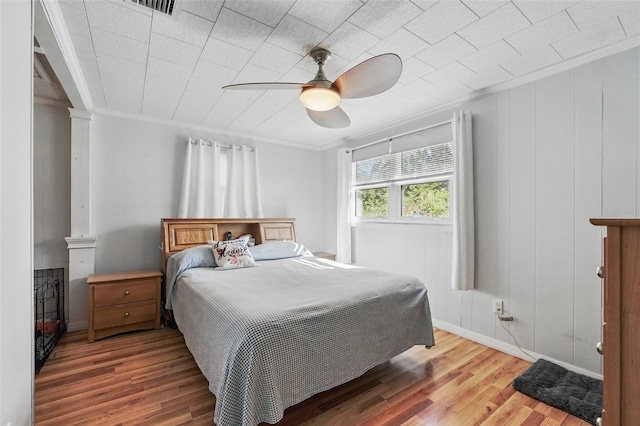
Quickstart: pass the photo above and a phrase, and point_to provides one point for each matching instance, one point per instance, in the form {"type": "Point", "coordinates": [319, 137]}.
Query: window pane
{"type": "Point", "coordinates": [372, 202]}
{"type": "Point", "coordinates": [426, 199]}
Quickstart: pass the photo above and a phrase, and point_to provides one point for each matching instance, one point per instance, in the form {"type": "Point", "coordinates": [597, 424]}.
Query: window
{"type": "Point", "coordinates": [404, 186]}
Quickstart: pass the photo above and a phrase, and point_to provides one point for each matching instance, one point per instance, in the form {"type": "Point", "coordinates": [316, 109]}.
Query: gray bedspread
{"type": "Point", "coordinates": [270, 337]}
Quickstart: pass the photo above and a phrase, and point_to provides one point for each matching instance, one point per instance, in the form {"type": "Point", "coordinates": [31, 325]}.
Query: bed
{"type": "Point", "coordinates": [271, 336]}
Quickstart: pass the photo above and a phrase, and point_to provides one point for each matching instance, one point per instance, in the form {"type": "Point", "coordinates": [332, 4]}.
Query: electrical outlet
{"type": "Point", "coordinates": [498, 307]}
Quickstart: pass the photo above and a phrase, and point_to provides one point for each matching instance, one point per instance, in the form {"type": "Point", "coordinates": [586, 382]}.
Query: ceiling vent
{"type": "Point", "coordinates": [168, 7]}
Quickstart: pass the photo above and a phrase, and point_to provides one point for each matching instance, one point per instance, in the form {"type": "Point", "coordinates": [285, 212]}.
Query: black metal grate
{"type": "Point", "coordinates": [48, 300]}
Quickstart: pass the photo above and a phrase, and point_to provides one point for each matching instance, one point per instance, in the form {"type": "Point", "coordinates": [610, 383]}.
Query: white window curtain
{"type": "Point", "coordinates": [343, 206]}
{"type": "Point", "coordinates": [219, 181]}
{"type": "Point", "coordinates": [463, 211]}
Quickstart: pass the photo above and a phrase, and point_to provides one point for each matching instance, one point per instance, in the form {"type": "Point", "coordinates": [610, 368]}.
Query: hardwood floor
{"type": "Point", "coordinates": [150, 378]}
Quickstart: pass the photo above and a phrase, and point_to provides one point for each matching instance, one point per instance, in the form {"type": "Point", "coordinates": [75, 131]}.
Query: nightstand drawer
{"type": "Point", "coordinates": [124, 292]}
{"type": "Point", "coordinates": [118, 315]}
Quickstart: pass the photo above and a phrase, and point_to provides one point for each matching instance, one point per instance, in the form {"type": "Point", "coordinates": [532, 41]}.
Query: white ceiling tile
{"type": "Point", "coordinates": [194, 107]}
{"type": "Point", "coordinates": [173, 50]}
{"type": "Point", "coordinates": [382, 18]}
{"type": "Point", "coordinates": [545, 32]}
{"type": "Point", "coordinates": [403, 43]}
{"type": "Point", "coordinates": [204, 87]}
{"type": "Point", "coordinates": [416, 89]}
{"type": "Point", "coordinates": [285, 96]}
{"type": "Point", "coordinates": [208, 9]}
{"type": "Point", "coordinates": [591, 39]}
{"type": "Point", "coordinates": [298, 75]}
{"type": "Point", "coordinates": [169, 71]}
{"type": "Point", "coordinates": [425, 4]}
{"type": "Point", "coordinates": [450, 93]}
{"type": "Point", "coordinates": [185, 27]}
{"type": "Point", "coordinates": [225, 54]}
{"type": "Point", "coordinates": [256, 74]}
{"type": "Point", "coordinates": [487, 78]}
{"type": "Point", "coordinates": [269, 104]}
{"type": "Point", "coordinates": [631, 23]}
{"type": "Point", "coordinates": [489, 56]}
{"type": "Point", "coordinates": [533, 61]}
{"type": "Point", "coordinates": [82, 46]}
{"type": "Point", "coordinates": [122, 93]}
{"type": "Point", "coordinates": [446, 51]}
{"type": "Point", "coordinates": [120, 66]}
{"type": "Point", "coordinates": [296, 36]}
{"type": "Point", "coordinates": [540, 10]}
{"type": "Point", "coordinates": [278, 121]}
{"type": "Point", "coordinates": [449, 75]}
{"type": "Point", "coordinates": [121, 47]}
{"type": "Point", "coordinates": [240, 30]}
{"type": "Point", "coordinates": [275, 58]}
{"type": "Point", "coordinates": [268, 12]}
{"type": "Point", "coordinates": [209, 71]}
{"type": "Point", "coordinates": [118, 19]}
{"type": "Point", "coordinates": [76, 20]}
{"type": "Point", "coordinates": [589, 13]}
{"type": "Point", "coordinates": [495, 26]}
{"type": "Point", "coordinates": [226, 110]}
{"type": "Point", "coordinates": [413, 69]}
{"type": "Point", "coordinates": [161, 97]}
{"type": "Point", "coordinates": [316, 12]}
{"type": "Point", "coordinates": [441, 20]}
{"type": "Point", "coordinates": [483, 7]}
{"type": "Point", "coordinates": [350, 41]}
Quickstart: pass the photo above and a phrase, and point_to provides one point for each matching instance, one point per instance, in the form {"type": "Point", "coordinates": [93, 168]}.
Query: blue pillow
{"type": "Point", "coordinates": [278, 250]}
{"type": "Point", "coordinates": [194, 257]}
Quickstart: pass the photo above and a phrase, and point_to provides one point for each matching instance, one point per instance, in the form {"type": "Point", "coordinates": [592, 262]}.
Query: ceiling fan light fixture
{"type": "Point", "coordinates": [319, 98]}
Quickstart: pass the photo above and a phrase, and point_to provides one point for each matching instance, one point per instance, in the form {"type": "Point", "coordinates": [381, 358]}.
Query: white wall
{"type": "Point", "coordinates": [136, 176]}
{"type": "Point", "coordinates": [16, 242]}
{"type": "Point", "coordinates": [548, 156]}
{"type": "Point", "coordinates": [51, 189]}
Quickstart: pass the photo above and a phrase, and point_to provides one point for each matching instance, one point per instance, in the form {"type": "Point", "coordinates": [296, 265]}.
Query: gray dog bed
{"type": "Point", "coordinates": [574, 393]}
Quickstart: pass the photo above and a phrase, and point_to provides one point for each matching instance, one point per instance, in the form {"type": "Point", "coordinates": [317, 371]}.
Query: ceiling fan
{"type": "Point", "coordinates": [321, 97]}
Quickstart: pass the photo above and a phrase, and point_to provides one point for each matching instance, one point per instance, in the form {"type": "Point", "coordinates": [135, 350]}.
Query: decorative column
{"type": "Point", "coordinates": [81, 244]}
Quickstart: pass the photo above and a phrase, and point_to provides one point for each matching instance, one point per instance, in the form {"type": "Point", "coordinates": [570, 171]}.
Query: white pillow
{"type": "Point", "coordinates": [232, 254]}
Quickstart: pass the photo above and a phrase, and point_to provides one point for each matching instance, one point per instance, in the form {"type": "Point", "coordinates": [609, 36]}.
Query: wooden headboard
{"type": "Point", "coordinates": [180, 234]}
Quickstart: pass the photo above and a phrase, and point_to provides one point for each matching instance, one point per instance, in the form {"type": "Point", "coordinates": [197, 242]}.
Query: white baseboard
{"type": "Point", "coordinates": [78, 325]}
{"type": "Point", "coordinates": [506, 347]}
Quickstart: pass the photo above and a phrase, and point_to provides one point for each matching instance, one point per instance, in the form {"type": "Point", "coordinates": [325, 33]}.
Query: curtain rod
{"type": "Point", "coordinates": [400, 135]}
{"type": "Point", "coordinates": [221, 145]}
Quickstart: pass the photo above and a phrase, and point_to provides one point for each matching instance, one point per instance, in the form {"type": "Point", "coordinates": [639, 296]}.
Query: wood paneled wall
{"type": "Point", "coordinates": [548, 156]}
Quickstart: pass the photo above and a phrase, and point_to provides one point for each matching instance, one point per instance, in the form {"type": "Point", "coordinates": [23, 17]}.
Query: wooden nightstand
{"type": "Point", "coordinates": [123, 301]}
{"type": "Point", "coordinates": [325, 255]}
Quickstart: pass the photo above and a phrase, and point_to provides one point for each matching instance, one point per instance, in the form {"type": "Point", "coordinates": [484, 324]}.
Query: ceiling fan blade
{"type": "Point", "coordinates": [267, 86]}
{"type": "Point", "coordinates": [335, 118]}
{"type": "Point", "coordinates": [371, 77]}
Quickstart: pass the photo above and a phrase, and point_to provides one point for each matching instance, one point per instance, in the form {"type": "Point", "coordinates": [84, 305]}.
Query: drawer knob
{"type": "Point", "coordinates": [600, 271]}
{"type": "Point", "coordinates": [599, 347]}
{"type": "Point", "coordinates": [127, 292]}
{"type": "Point", "coordinates": [126, 314]}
